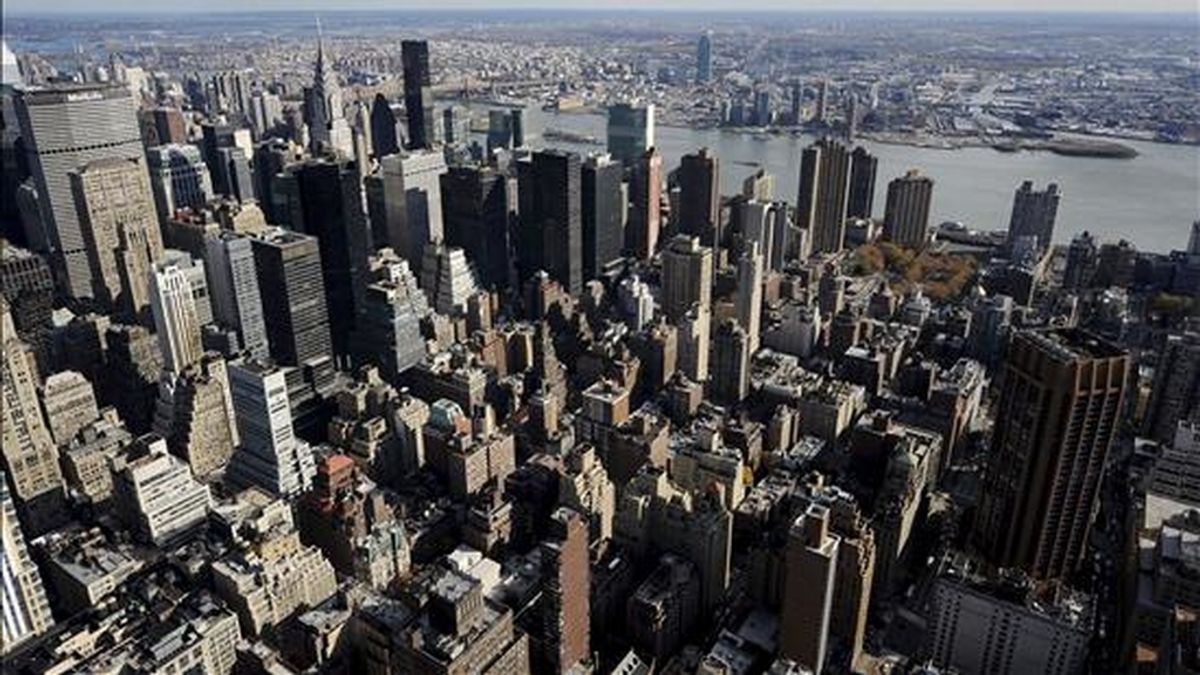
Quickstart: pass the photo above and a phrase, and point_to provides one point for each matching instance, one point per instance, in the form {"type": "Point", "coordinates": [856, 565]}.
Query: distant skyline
{"type": "Point", "coordinates": [60, 7]}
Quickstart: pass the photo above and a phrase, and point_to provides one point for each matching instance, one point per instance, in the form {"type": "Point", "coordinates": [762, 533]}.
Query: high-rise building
{"type": "Point", "coordinates": [329, 206]}
{"type": "Point", "coordinates": [180, 179]}
{"type": "Point", "coordinates": [30, 457]}
{"type": "Point", "coordinates": [389, 325]}
{"type": "Point", "coordinates": [1082, 258]}
{"type": "Point", "coordinates": [1033, 214]}
{"type": "Point", "coordinates": [862, 183]}
{"type": "Point", "coordinates": [730, 381]}
{"type": "Point", "coordinates": [26, 610]}
{"type": "Point", "coordinates": [645, 205]}
{"type": "Point", "coordinates": [821, 203]}
{"type": "Point", "coordinates": [603, 214]}
{"type": "Point", "coordinates": [266, 113]}
{"type": "Point", "coordinates": [812, 553]}
{"type": "Point", "coordinates": [767, 226]}
{"type": "Point", "coordinates": [566, 622]}
{"type": "Point", "coordinates": [418, 98]}
{"type": "Point", "coordinates": [1175, 396]}
{"type": "Point", "coordinates": [499, 131]}
{"type": "Point", "coordinates": [475, 210]}
{"type": "Point", "coordinates": [630, 131]}
{"type": "Point", "coordinates": [551, 232]}
{"type": "Point", "coordinates": [821, 109]}
{"type": "Point", "coordinates": [704, 58]}
{"type": "Point", "coordinates": [700, 196]}
{"type": "Point", "coordinates": [384, 138]}
{"type": "Point", "coordinates": [293, 296]}
{"type": "Point", "coordinates": [70, 404]}
{"type": "Point", "coordinates": [1193, 247]}
{"type": "Point", "coordinates": [175, 318]}
{"type": "Point", "coordinates": [448, 279]}
{"type": "Point", "coordinates": [28, 287]}
{"type": "Point", "coordinates": [323, 106]}
{"type": "Point", "coordinates": [63, 128]}
{"type": "Point", "coordinates": [271, 157]}
{"type": "Point", "coordinates": [195, 416]}
{"type": "Point", "coordinates": [412, 202]}
{"type": "Point", "coordinates": [686, 276]}
{"type": "Point", "coordinates": [270, 457]}
{"type": "Point", "coordinates": [1060, 407]}
{"type": "Point", "coordinates": [750, 295]}
{"type": "Point", "coordinates": [693, 336]}
{"type": "Point", "coordinates": [122, 235]}
{"type": "Point", "coordinates": [215, 137]}
{"type": "Point", "coordinates": [155, 494]}
{"type": "Point", "coordinates": [906, 216]}
{"type": "Point", "coordinates": [456, 126]}
{"type": "Point", "coordinates": [233, 282]}
{"type": "Point", "coordinates": [134, 363]}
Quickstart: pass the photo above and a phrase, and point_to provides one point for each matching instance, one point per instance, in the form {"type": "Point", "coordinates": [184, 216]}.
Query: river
{"type": "Point", "coordinates": [1151, 200]}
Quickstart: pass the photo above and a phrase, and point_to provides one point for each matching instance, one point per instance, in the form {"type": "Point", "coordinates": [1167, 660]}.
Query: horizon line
{"type": "Point", "coordinates": [947, 11]}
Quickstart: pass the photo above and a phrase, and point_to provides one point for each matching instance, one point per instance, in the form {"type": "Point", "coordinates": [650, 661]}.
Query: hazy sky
{"type": "Point", "coordinates": [97, 6]}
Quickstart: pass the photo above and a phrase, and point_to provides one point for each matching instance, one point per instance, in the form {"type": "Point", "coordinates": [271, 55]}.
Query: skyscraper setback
{"type": "Point", "coordinates": [1058, 413]}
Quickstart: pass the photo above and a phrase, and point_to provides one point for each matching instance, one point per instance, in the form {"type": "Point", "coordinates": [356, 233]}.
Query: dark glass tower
{"type": "Point", "coordinates": [383, 128]}
{"type": "Point", "coordinates": [602, 204]}
{"type": "Point", "coordinates": [327, 204]}
{"type": "Point", "coordinates": [862, 183]}
{"type": "Point", "coordinates": [293, 296]}
{"type": "Point", "coordinates": [550, 236]}
{"type": "Point", "coordinates": [418, 100]}
{"type": "Point", "coordinates": [475, 218]}
{"type": "Point", "coordinates": [700, 196]}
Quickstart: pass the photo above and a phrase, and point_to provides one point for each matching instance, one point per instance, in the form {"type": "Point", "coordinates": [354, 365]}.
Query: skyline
{"type": "Point", "coordinates": [1079, 7]}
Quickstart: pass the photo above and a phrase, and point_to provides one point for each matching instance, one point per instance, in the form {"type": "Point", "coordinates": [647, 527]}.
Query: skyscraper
{"type": "Point", "coordinates": [645, 205]}
{"type": "Point", "coordinates": [175, 319]}
{"type": "Point", "coordinates": [448, 279]}
{"type": "Point", "coordinates": [293, 296]}
{"type": "Point", "coordinates": [179, 178]}
{"type": "Point", "coordinates": [700, 196]}
{"type": "Point", "coordinates": [551, 231]}
{"type": "Point", "coordinates": [195, 415]}
{"type": "Point", "coordinates": [811, 560]}
{"type": "Point", "coordinates": [862, 183]}
{"type": "Point", "coordinates": [603, 214]}
{"type": "Point", "coordinates": [1059, 409]}
{"type": "Point", "coordinates": [750, 295]}
{"type": "Point", "coordinates": [906, 216]}
{"type": "Point", "coordinates": [694, 336]}
{"type": "Point", "coordinates": [686, 276]}
{"type": "Point", "coordinates": [117, 217]}
{"type": "Point", "coordinates": [62, 128]}
{"type": "Point", "coordinates": [475, 218]}
{"type": "Point", "coordinates": [730, 381]}
{"type": "Point", "coordinates": [30, 457]}
{"type": "Point", "coordinates": [26, 610]}
{"type": "Point", "coordinates": [1082, 259]}
{"type": "Point", "coordinates": [412, 196]}
{"type": "Point", "coordinates": [704, 58]}
{"type": "Point", "coordinates": [1033, 214]}
{"type": "Point", "coordinates": [630, 131]}
{"type": "Point", "coordinates": [566, 621]}
{"type": "Point", "coordinates": [418, 98]}
{"type": "Point", "coordinates": [384, 140]}
{"type": "Point", "coordinates": [821, 203]}
{"type": "Point", "coordinates": [329, 206]}
{"type": "Point", "coordinates": [1175, 397]}
{"type": "Point", "coordinates": [327, 127]}
{"type": "Point", "coordinates": [389, 325]}
{"type": "Point", "coordinates": [270, 457]}
{"type": "Point", "coordinates": [236, 298]}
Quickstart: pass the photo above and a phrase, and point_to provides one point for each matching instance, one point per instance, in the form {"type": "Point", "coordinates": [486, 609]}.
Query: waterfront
{"type": "Point", "coordinates": [1151, 199]}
